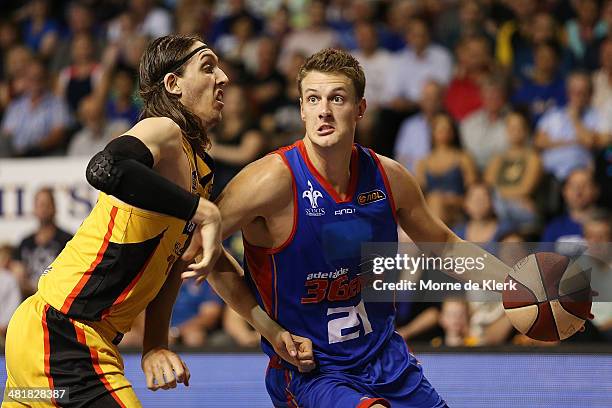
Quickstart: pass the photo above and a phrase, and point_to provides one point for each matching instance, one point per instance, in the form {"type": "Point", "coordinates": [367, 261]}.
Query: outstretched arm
{"type": "Point", "coordinates": [241, 203]}
{"type": "Point", "coordinates": [423, 227]}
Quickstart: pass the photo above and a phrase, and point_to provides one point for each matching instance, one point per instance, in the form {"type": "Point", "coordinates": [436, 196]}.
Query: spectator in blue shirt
{"type": "Point", "coordinates": [544, 87]}
{"type": "Point", "coordinates": [36, 122]}
{"type": "Point", "coordinates": [579, 194]}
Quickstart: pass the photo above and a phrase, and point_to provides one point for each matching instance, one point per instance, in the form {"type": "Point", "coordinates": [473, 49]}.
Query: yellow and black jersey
{"type": "Point", "coordinates": [120, 257]}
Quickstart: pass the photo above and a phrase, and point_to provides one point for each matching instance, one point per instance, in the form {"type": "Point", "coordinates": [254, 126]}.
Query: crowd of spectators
{"type": "Point", "coordinates": [502, 109]}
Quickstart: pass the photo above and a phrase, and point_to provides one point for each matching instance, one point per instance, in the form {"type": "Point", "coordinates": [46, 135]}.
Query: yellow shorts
{"type": "Point", "coordinates": [47, 350]}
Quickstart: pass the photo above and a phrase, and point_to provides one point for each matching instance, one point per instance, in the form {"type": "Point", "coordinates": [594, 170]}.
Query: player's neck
{"type": "Point", "coordinates": [333, 163]}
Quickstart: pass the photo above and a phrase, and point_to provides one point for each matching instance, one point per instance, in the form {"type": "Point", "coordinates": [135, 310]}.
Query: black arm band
{"type": "Point", "coordinates": [124, 169]}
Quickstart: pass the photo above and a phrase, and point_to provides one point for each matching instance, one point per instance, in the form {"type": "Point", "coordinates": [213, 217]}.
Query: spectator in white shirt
{"type": "Point", "coordinates": [97, 131]}
{"type": "Point", "coordinates": [412, 67]}
{"type": "Point", "coordinates": [310, 39]}
{"type": "Point", "coordinates": [483, 133]}
{"type": "Point", "coordinates": [565, 135]}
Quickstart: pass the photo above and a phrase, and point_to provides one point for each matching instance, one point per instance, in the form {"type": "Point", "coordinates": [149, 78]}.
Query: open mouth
{"type": "Point", "coordinates": [219, 97]}
{"type": "Point", "coordinates": [325, 129]}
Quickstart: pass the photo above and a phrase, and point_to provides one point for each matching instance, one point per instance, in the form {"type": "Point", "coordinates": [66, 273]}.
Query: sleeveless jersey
{"type": "Point", "coordinates": [310, 284]}
{"type": "Point", "coordinates": [120, 257]}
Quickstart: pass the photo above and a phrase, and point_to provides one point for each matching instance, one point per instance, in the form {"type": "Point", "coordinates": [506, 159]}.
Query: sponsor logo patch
{"type": "Point", "coordinates": [371, 197]}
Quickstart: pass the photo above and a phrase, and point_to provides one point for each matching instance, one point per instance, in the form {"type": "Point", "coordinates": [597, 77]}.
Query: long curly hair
{"type": "Point", "coordinates": [159, 58]}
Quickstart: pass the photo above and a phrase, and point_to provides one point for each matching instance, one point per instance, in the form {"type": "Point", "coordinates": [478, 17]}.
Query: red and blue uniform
{"type": "Point", "coordinates": [310, 286]}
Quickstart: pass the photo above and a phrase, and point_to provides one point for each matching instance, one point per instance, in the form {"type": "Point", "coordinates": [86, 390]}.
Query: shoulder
{"type": "Point", "coordinates": [160, 130]}
{"type": "Point", "coordinates": [267, 178]}
{"type": "Point", "coordinates": [397, 175]}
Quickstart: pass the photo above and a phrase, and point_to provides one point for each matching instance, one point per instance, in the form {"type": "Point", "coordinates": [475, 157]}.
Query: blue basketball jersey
{"type": "Point", "coordinates": [310, 284]}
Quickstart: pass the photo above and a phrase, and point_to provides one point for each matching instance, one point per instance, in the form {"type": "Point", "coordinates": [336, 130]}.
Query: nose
{"type": "Point", "coordinates": [222, 78]}
{"type": "Point", "coordinates": [325, 109]}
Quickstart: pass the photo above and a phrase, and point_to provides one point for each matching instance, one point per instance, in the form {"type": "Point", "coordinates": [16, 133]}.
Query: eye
{"type": "Point", "coordinates": [208, 68]}
{"type": "Point", "coordinates": [312, 99]}
{"type": "Point", "coordinates": [338, 99]}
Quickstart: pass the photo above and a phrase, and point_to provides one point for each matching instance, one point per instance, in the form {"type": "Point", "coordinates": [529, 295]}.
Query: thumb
{"type": "Point", "coordinates": [289, 344]}
{"type": "Point", "coordinates": [191, 251]}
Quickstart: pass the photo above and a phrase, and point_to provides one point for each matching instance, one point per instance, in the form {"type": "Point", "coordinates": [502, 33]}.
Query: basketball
{"type": "Point", "coordinates": [551, 298]}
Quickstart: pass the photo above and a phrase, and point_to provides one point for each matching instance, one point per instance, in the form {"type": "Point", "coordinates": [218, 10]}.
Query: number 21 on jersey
{"type": "Point", "coordinates": [356, 317]}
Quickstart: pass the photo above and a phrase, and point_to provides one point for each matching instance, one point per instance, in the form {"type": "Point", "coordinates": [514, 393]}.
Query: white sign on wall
{"type": "Point", "coordinates": [21, 178]}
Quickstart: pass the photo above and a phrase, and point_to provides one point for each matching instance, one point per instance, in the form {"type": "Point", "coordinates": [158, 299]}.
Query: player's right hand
{"type": "Point", "coordinates": [164, 369]}
{"type": "Point", "coordinates": [295, 350]}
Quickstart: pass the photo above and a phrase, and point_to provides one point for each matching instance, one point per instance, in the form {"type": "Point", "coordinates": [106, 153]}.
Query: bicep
{"type": "Point", "coordinates": [160, 135]}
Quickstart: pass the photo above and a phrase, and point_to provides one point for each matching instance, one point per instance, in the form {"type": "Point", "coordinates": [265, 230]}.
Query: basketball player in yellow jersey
{"type": "Point", "coordinates": [154, 183]}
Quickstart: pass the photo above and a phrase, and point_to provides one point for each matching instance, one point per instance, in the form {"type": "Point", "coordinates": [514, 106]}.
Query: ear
{"type": "Point", "coordinates": [361, 108]}
{"type": "Point", "coordinates": [171, 84]}
{"type": "Point", "coordinates": [302, 110]}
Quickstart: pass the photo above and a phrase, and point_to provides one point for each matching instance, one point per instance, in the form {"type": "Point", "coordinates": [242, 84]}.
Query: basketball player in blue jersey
{"type": "Point", "coordinates": [304, 213]}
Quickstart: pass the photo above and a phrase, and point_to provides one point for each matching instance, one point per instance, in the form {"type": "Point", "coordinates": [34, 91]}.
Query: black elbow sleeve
{"type": "Point", "coordinates": [124, 169]}
{"type": "Point", "coordinates": [102, 173]}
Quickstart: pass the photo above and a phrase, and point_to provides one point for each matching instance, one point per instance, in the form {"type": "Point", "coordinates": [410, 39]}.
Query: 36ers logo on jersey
{"type": "Point", "coordinates": [313, 196]}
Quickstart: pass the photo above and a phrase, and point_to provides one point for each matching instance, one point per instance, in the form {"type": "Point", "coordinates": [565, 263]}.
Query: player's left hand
{"type": "Point", "coordinates": [206, 238]}
{"type": "Point", "coordinates": [296, 350]}
{"type": "Point", "coordinates": [164, 369]}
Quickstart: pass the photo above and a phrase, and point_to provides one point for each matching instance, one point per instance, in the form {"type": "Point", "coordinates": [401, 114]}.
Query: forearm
{"type": "Point", "coordinates": [492, 268]}
{"type": "Point", "coordinates": [228, 281]}
{"type": "Point", "coordinates": [159, 311]}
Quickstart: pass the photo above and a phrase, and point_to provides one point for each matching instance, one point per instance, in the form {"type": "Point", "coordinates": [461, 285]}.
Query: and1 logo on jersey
{"type": "Point", "coordinates": [313, 196]}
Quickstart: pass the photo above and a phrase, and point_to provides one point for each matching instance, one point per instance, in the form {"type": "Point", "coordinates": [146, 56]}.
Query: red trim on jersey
{"type": "Point", "coordinates": [291, 400]}
{"type": "Point", "coordinates": [77, 289]}
{"type": "Point", "coordinates": [324, 183]}
{"type": "Point", "coordinates": [275, 287]}
{"type": "Point", "coordinates": [47, 352]}
{"type": "Point", "coordinates": [368, 402]}
{"type": "Point", "coordinates": [288, 241]}
{"type": "Point", "coordinates": [387, 185]}
{"type": "Point", "coordinates": [275, 362]}
{"type": "Point", "coordinates": [127, 290]}
{"type": "Point", "coordinates": [96, 364]}
{"type": "Point", "coordinates": [260, 269]}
